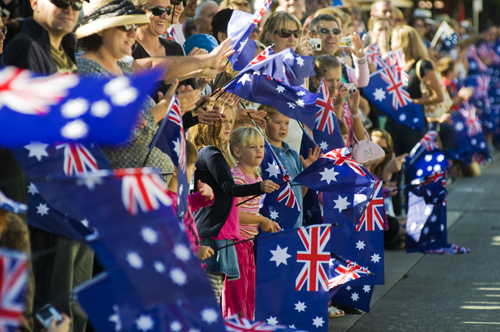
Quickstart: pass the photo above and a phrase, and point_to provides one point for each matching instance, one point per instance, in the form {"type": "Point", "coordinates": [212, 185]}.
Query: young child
{"type": "Point", "coordinates": [344, 131]}
{"type": "Point", "coordinates": [203, 197]}
{"type": "Point", "coordinates": [328, 67]}
{"type": "Point", "coordinates": [276, 131]}
{"type": "Point", "coordinates": [247, 147]}
{"type": "Point", "coordinates": [217, 224]}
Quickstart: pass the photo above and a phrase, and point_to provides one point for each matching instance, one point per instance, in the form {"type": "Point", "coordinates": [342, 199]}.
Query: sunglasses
{"type": "Point", "coordinates": [284, 33]}
{"type": "Point", "coordinates": [325, 31]}
{"type": "Point", "coordinates": [159, 11]}
{"type": "Point", "coordinates": [128, 27]}
{"type": "Point", "coordinates": [63, 4]}
{"type": "Point", "coordinates": [4, 30]}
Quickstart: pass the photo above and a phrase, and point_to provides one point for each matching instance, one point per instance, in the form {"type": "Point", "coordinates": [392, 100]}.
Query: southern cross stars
{"type": "Point", "coordinates": [134, 260]}
{"type": "Point", "coordinates": [274, 215]}
{"type": "Point", "coordinates": [37, 150]}
{"type": "Point", "coordinates": [149, 235]}
{"type": "Point", "coordinates": [32, 189]}
{"type": "Point", "coordinates": [245, 78]}
{"type": "Point", "coordinates": [178, 276]}
{"type": "Point", "coordinates": [209, 315]}
{"type": "Point", "coordinates": [329, 175]}
{"type": "Point", "coordinates": [379, 94]}
{"type": "Point", "coordinates": [375, 258]}
{"type": "Point", "coordinates": [300, 306]}
{"type": "Point", "coordinates": [341, 203]}
{"type": "Point", "coordinates": [273, 170]}
{"type": "Point", "coordinates": [360, 245]}
{"type": "Point", "coordinates": [280, 89]}
{"type": "Point", "coordinates": [280, 255]}
{"type": "Point", "coordinates": [42, 209]}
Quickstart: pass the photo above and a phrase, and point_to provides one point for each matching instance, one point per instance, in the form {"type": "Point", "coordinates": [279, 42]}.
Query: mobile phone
{"type": "Point", "coordinates": [316, 44]}
{"type": "Point", "coordinates": [345, 42]}
{"type": "Point", "coordinates": [46, 314]}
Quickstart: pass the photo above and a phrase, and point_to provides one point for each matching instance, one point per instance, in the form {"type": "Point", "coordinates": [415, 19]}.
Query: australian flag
{"type": "Point", "coordinates": [292, 278]}
{"type": "Point", "coordinates": [476, 65]}
{"type": "Point", "coordinates": [239, 29]}
{"type": "Point", "coordinates": [69, 108]}
{"type": "Point", "coordinates": [171, 139]}
{"type": "Point", "coordinates": [358, 297]}
{"type": "Point", "coordinates": [8, 204]}
{"type": "Point", "coordinates": [388, 93]}
{"type": "Point", "coordinates": [241, 324]}
{"type": "Point", "coordinates": [373, 53]}
{"type": "Point", "coordinates": [448, 35]}
{"type": "Point", "coordinates": [293, 101]}
{"type": "Point", "coordinates": [326, 131]}
{"type": "Point", "coordinates": [281, 205]}
{"type": "Point", "coordinates": [426, 158]}
{"type": "Point", "coordinates": [13, 279]}
{"type": "Point", "coordinates": [343, 271]}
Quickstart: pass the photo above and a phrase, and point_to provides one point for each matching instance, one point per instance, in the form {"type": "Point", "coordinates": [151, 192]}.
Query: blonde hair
{"type": "Point", "coordinates": [270, 111]}
{"type": "Point", "coordinates": [203, 135]}
{"type": "Point", "coordinates": [232, 3]}
{"type": "Point", "coordinates": [274, 22]}
{"type": "Point", "coordinates": [242, 137]}
{"type": "Point", "coordinates": [411, 43]}
{"type": "Point", "coordinates": [445, 65]}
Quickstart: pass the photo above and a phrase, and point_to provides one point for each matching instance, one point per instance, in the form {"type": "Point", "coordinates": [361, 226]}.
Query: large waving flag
{"type": "Point", "coordinates": [343, 271]}
{"type": "Point", "coordinates": [69, 108]}
{"type": "Point", "coordinates": [326, 131]}
{"type": "Point", "coordinates": [292, 278]}
{"type": "Point", "coordinates": [387, 92]}
{"type": "Point", "coordinates": [293, 101]}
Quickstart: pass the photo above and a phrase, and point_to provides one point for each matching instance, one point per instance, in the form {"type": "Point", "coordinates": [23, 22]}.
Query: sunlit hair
{"type": "Point", "coordinates": [234, 3]}
{"type": "Point", "coordinates": [373, 20]}
{"type": "Point", "coordinates": [270, 112]}
{"type": "Point", "coordinates": [243, 137]}
{"type": "Point", "coordinates": [203, 135]}
{"type": "Point", "coordinates": [411, 42]}
{"type": "Point", "coordinates": [275, 22]}
{"type": "Point", "coordinates": [446, 65]}
{"type": "Point", "coordinates": [373, 8]}
{"type": "Point", "coordinates": [191, 153]}
{"type": "Point", "coordinates": [389, 150]}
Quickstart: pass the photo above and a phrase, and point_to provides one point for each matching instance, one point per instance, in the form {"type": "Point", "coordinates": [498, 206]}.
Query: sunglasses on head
{"type": "Point", "coordinates": [159, 11]}
{"type": "Point", "coordinates": [284, 33]}
{"type": "Point", "coordinates": [325, 31]}
{"type": "Point", "coordinates": [128, 27]}
{"type": "Point", "coordinates": [63, 4]}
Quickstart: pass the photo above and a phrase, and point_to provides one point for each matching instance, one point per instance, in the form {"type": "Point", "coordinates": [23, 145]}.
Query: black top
{"type": "Point", "coordinates": [413, 86]}
{"type": "Point", "coordinates": [213, 169]}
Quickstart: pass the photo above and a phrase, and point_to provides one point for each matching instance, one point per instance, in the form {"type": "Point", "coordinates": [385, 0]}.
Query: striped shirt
{"type": "Point", "coordinates": [252, 206]}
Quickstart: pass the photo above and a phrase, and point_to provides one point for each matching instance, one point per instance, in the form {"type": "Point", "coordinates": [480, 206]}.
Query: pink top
{"type": "Point", "coordinates": [252, 206]}
{"type": "Point", "coordinates": [231, 229]}
{"type": "Point", "coordinates": [195, 202]}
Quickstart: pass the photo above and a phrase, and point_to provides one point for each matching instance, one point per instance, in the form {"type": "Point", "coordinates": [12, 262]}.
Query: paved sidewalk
{"type": "Point", "coordinates": [438, 292]}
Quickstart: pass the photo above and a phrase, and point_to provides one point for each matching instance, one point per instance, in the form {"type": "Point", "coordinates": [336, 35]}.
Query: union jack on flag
{"type": "Point", "coordinates": [313, 274]}
{"type": "Point", "coordinates": [326, 112]}
{"type": "Point", "coordinates": [175, 116]}
{"type": "Point", "coordinates": [473, 55]}
{"type": "Point", "coordinates": [14, 275]}
{"type": "Point", "coordinates": [434, 178]}
{"type": "Point", "coordinates": [263, 55]}
{"type": "Point", "coordinates": [400, 97]}
{"type": "Point", "coordinates": [471, 120]}
{"type": "Point", "coordinates": [77, 159]}
{"type": "Point", "coordinates": [240, 324]}
{"type": "Point", "coordinates": [171, 33]}
{"type": "Point", "coordinates": [373, 53]}
{"type": "Point", "coordinates": [257, 16]}
{"type": "Point", "coordinates": [397, 59]}
{"type": "Point", "coordinates": [142, 190]}
{"type": "Point", "coordinates": [483, 86]}
{"type": "Point", "coordinates": [288, 197]}
{"type": "Point", "coordinates": [343, 273]}
{"type": "Point", "coordinates": [429, 141]}
{"type": "Point", "coordinates": [373, 217]}
{"type": "Point", "coordinates": [342, 156]}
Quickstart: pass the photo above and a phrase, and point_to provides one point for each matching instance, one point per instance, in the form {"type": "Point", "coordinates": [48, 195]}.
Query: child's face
{"type": "Point", "coordinates": [227, 125]}
{"type": "Point", "coordinates": [344, 137]}
{"type": "Point", "coordinates": [252, 154]}
{"type": "Point", "coordinates": [333, 79]}
{"type": "Point", "coordinates": [277, 128]}
{"type": "Point", "coordinates": [190, 171]}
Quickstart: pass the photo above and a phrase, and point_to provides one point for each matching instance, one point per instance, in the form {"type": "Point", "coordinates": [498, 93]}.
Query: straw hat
{"type": "Point", "coordinates": [104, 14]}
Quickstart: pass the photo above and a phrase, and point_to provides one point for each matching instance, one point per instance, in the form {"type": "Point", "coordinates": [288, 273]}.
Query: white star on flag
{"type": "Point", "coordinates": [182, 252]}
{"type": "Point", "coordinates": [440, 158]}
{"type": "Point", "coordinates": [178, 276]}
{"type": "Point", "coordinates": [115, 318]}
{"type": "Point", "coordinates": [144, 323]}
{"type": "Point", "coordinates": [434, 218]}
{"type": "Point", "coordinates": [367, 288]}
{"type": "Point", "coordinates": [360, 245]}
{"type": "Point", "coordinates": [442, 228]}
{"type": "Point", "coordinates": [272, 320]}
{"type": "Point", "coordinates": [280, 255]}
{"type": "Point", "coordinates": [120, 91]}
{"type": "Point", "coordinates": [375, 258]}
{"type": "Point", "coordinates": [209, 315]}
{"type": "Point", "coordinates": [329, 175]}
{"type": "Point", "coordinates": [75, 129]}
{"type": "Point", "coordinates": [300, 306]}
{"type": "Point", "coordinates": [415, 120]}
{"type": "Point", "coordinates": [177, 146]}
{"type": "Point", "coordinates": [100, 109]}
{"type": "Point", "coordinates": [242, 45]}
{"type": "Point", "coordinates": [274, 215]}
{"type": "Point", "coordinates": [280, 89]}
{"type": "Point", "coordinates": [149, 235]}
{"type": "Point", "coordinates": [289, 56]}
{"type": "Point", "coordinates": [318, 321]}
{"type": "Point", "coordinates": [323, 145]}
{"type": "Point", "coordinates": [426, 230]}
{"type": "Point", "coordinates": [300, 103]}
{"type": "Point", "coordinates": [291, 105]}
{"type": "Point", "coordinates": [354, 296]}
{"type": "Point", "coordinates": [42, 209]}
{"type": "Point", "coordinates": [341, 203]}
{"type": "Point", "coordinates": [273, 170]}
{"type": "Point", "coordinates": [428, 157]}
{"type": "Point", "coordinates": [134, 260]}
{"type": "Point", "coordinates": [301, 93]}
{"type": "Point", "coordinates": [459, 126]}
{"type": "Point", "coordinates": [74, 108]}
{"type": "Point", "coordinates": [37, 150]}
{"type": "Point", "coordinates": [349, 287]}
{"type": "Point", "coordinates": [32, 189]}
{"type": "Point", "coordinates": [379, 94]}
{"type": "Point", "coordinates": [245, 78]}
{"type": "Point", "coordinates": [300, 61]}
{"type": "Point", "coordinates": [90, 181]}
{"type": "Point", "coordinates": [159, 267]}
{"type": "Point", "coordinates": [175, 326]}
{"type": "Point", "coordinates": [402, 117]}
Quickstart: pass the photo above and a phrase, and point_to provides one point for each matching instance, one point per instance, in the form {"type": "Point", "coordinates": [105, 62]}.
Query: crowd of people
{"type": "Point", "coordinates": [188, 43]}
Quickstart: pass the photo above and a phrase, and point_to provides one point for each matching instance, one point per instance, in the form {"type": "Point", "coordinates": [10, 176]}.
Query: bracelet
{"type": "Point", "coordinates": [355, 116]}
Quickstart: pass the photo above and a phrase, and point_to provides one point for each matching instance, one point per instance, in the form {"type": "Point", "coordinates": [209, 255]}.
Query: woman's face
{"type": "Point", "coordinates": [380, 27]}
{"type": "Point", "coordinates": [282, 43]}
{"type": "Point", "coordinates": [227, 124]}
{"type": "Point", "coordinates": [419, 25]}
{"type": "Point", "coordinates": [395, 41]}
{"type": "Point", "coordinates": [159, 24]}
{"type": "Point", "coordinates": [118, 42]}
{"type": "Point", "coordinates": [178, 11]}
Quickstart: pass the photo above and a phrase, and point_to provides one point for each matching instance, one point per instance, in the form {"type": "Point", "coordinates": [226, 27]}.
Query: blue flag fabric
{"type": "Point", "coordinates": [107, 312]}
{"type": "Point", "coordinates": [326, 131]}
{"type": "Point", "coordinates": [364, 243]}
{"type": "Point", "coordinates": [387, 92]}
{"type": "Point", "coordinates": [426, 157]}
{"type": "Point", "coordinates": [69, 108]}
{"type": "Point", "coordinates": [240, 324]}
{"type": "Point", "coordinates": [358, 297]}
{"type": "Point", "coordinates": [476, 66]}
{"type": "Point", "coordinates": [11, 205]}
{"type": "Point", "coordinates": [172, 141]}
{"type": "Point", "coordinates": [293, 101]}
{"type": "Point", "coordinates": [132, 215]}
{"type": "Point", "coordinates": [292, 278]}
{"type": "Point", "coordinates": [432, 188]}
{"type": "Point", "coordinates": [281, 205]}
{"type": "Point", "coordinates": [343, 271]}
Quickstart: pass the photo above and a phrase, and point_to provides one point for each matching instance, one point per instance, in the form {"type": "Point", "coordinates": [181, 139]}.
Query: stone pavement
{"type": "Point", "coordinates": [438, 292]}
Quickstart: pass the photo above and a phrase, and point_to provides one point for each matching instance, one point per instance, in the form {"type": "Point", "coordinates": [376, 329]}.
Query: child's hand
{"type": "Point", "coordinates": [353, 102]}
{"type": "Point", "coordinates": [341, 95]}
{"type": "Point", "coordinates": [267, 225]}
{"type": "Point", "coordinates": [205, 190]}
{"type": "Point", "coordinates": [311, 157]}
{"type": "Point", "coordinates": [395, 164]}
{"type": "Point", "coordinates": [204, 252]}
{"type": "Point", "coordinates": [465, 93]}
{"type": "Point", "coordinates": [268, 186]}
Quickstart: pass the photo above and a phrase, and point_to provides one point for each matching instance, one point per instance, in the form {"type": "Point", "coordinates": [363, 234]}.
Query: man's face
{"type": "Point", "coordinates": [54, 19]}
{"type": "Point", "coordinates": [204, 21]}
{"type": "Point", "coordinates": [329, 41]}
{"type": "Point", "coordinates": [190, 9]}
{"type": "Point", "coordinates": [384, 9]}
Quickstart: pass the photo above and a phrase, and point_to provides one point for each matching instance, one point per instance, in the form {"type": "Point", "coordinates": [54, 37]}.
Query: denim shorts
{"type": "Point", "coordinates": [224, 261]}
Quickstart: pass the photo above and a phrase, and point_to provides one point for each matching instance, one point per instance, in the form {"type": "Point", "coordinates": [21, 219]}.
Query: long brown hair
{"type": "Point", "coordinates": [389, 150]}
{"type": "Point", "coordinates": [411, 43]}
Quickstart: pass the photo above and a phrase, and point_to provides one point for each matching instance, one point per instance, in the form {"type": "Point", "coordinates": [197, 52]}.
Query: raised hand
{"type": "Point", "coordinates": [268, 186]}
{"type": "Point", "coordinates": [311, 157]}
